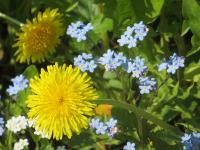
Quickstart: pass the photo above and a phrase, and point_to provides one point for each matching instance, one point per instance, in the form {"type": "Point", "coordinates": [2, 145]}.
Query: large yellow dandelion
{"type": "Point", "coordinates": [39, 38]}
{"type": "Point", "coordinates": [61, 101]}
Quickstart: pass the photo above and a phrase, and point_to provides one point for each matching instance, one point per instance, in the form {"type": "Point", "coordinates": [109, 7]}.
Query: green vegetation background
{"type": "Point", "coordinates": [174, 27]}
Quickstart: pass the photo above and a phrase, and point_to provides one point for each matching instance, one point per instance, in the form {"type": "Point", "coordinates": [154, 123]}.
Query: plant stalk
{"type": "Point", "coordinates": [12, 20]}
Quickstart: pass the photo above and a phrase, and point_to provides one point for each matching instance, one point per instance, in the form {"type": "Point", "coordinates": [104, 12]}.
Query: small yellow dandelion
{"type": "Point", "coordinates": [60, 101]}
{"type": "Point", "coordinates": [103, 109]}
{"type": "Point", "coordinates": [39, 38]}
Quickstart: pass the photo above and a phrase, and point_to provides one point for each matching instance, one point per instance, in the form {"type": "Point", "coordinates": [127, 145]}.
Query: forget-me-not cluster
{"type": "Point", "coordinates": [79, 30]}
{"type": "Point", "coordinates": [19, 84]}
{"type": "Point", "coordinates": [191, 141]}
{"type": "Point", "coordinates": [146, 84]}
{"type": "Point", "coordinates": [108, 127]}
{"type": "Point", "coordinates": [136, 67]}
{"type": "Point", "coordinates": [132, 34]}
{"type": "Point", "coordinates": [129, 146]}
{"type": "Point", "coordinates": [172, 64]}
{"type": "Point", "coordinates": [85, 62]}
{"type": "Point", "coordinates": [112, 60]}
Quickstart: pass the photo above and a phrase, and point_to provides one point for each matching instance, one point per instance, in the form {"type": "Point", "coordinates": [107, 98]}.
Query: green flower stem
{"type": "Point", "coordinates": [9, 140]}
{"type": "Point", "coordinates": [105, 40]}
{"type": "Point", "coordinates": [104, 36]}
{"type": "Point", "coordinates": [157, 89]}
{"type": "Point", "coordinates": [140, 131]}
{"type": "Point", "coordinates": [6, 17]}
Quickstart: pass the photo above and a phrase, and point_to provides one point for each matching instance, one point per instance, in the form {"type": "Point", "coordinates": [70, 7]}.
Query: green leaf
{"type": "Point", "coordinates": [22, 97]}
{"type": "Point", "coordinates": [46, 145]}
{"type": "Point", "coordinates": [192, 72]}
{"type": "Point", "coordinates": [15, 109]}
{"type": "Point", "coordinates": [192, 124]}
{"type": "Point", "coordinates": [162, 140]}
{"type": "Point", "coordinates": [49, 147]}
{"type": "Point", "coordinates": [185, 113]}
{"type": "Point", "coordinates": [79, 141]}
{"type": "Point", "coordinates": [193, 51]}
{"type": "Point", "coordinates": [185, 27]}
{"type": "Point", "coordinates": [126, 120]}
{"type": "Point", "coordinates": [124, 10]}
{"type": "Point", "coordinates": [109, 75]}
{"type": "Point", "coordinates": [191, 11]}
{"type": "Point", "coordinates": [195, 41]}
{"type": "Point", "coordinates": [102, 24]}
{"type": "Point", "coordinates": [197, 93]}
{"type": "Point", "coordinates": [174, 91]}
{"type": "Point", "coordinates": [186, 92]}
{"type": "Point", "coordinates": [167, 113]}
{"type": "Point", "coordinates": [115, 84]}
{"type": "Point", "coordinates": [72, 7]}
{"type": "Point", "coordinates": [155, 7]}
{"type": "Point", "coordinates": [31, 71]}
{"type": "Point", "coordinates": [140, 112]}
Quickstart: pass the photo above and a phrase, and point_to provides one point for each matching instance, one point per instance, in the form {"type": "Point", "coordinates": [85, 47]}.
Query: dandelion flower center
{"type": "Point", "coordinates": [38, 39]}
{"type": "Point", "coordinates": [60, 102]}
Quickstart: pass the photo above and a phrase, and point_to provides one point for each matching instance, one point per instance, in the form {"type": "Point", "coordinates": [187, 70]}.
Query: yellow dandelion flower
{"type": "Point", "coordinates": [60, 102]}
{"type": "Point", "coordinates": [39, 38]}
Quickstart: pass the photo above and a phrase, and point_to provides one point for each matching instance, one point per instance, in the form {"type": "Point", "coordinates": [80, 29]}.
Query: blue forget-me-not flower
{"type": "Point", "coordinates": [79, 30]}
{"type": "Point", "coordinates": [136, 67]}
{"type": "Point", "coordinates": [191, 141]}
{"type": "Point", "coordinates": [132, 34]}
{"type": "Point", "coordinates": [129, 146]}
{"type": "Point", "coordinates": [112, 60]}
{"type": "Point", "coordinates": [108, 127]}
{"type": "Point", "coordinates": [175, 62]}
{"type": "Point", "coordinates": [146, 84]}
{"type": "Point", "coordinates": [19, 84]}
{"type": "Point", "coordinates": [85, 62]}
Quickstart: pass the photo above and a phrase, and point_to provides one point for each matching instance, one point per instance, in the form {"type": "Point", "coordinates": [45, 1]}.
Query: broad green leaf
{"type": "Point", "coordinates": [166, 136]}
{"type": "Point", "coordinates": [15, 109]}
{"type": "Point", "coordinates": [174, 91]}
{"type": "Point", "coordinates": [126, 120]}
{"type": "Point", "coordinates": [46, 145]}
{"type": "Point", "coordinates": [115, 84]}
{"type": "Point", "coordinates": [30, 72]}
{"type": "Point", "coordinates": [79, 141]}
{"type": "Point", "coordinates": [192, 72]}
{"type": "Point", "coordinates": [185, 27]}
{"type": "Point", "coordinates": [86, 9]}
{"type": "Point", "coordinates": [109, 75]}
{"type": "Point", "coordinates": [184, 111]}
{"type": "Point", "coordinates": [195, 41]}
{"type": "Point", "coordinates": [193, 51]}
{"type": "Point", "coordinates": [191, 124]}
{"type": "Point", "coordinates": [186, 92]}
{"type": "Point", "coordinates": [124, 10]}
{"type": "Point", "coordinates": [49, 147]}
{"type": "Point", "coordinates": [191, 11]}
{"type": "Point", "coordinates": [167, 113]}
{"type": "Point", "coordinates": [155, 7]}
{"type": "Point", "coordinates": [162, 140]}
{"type": "Point", "coordinates": [21, 98]}
{"type": "Point", "coordinates": [102, 24]}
